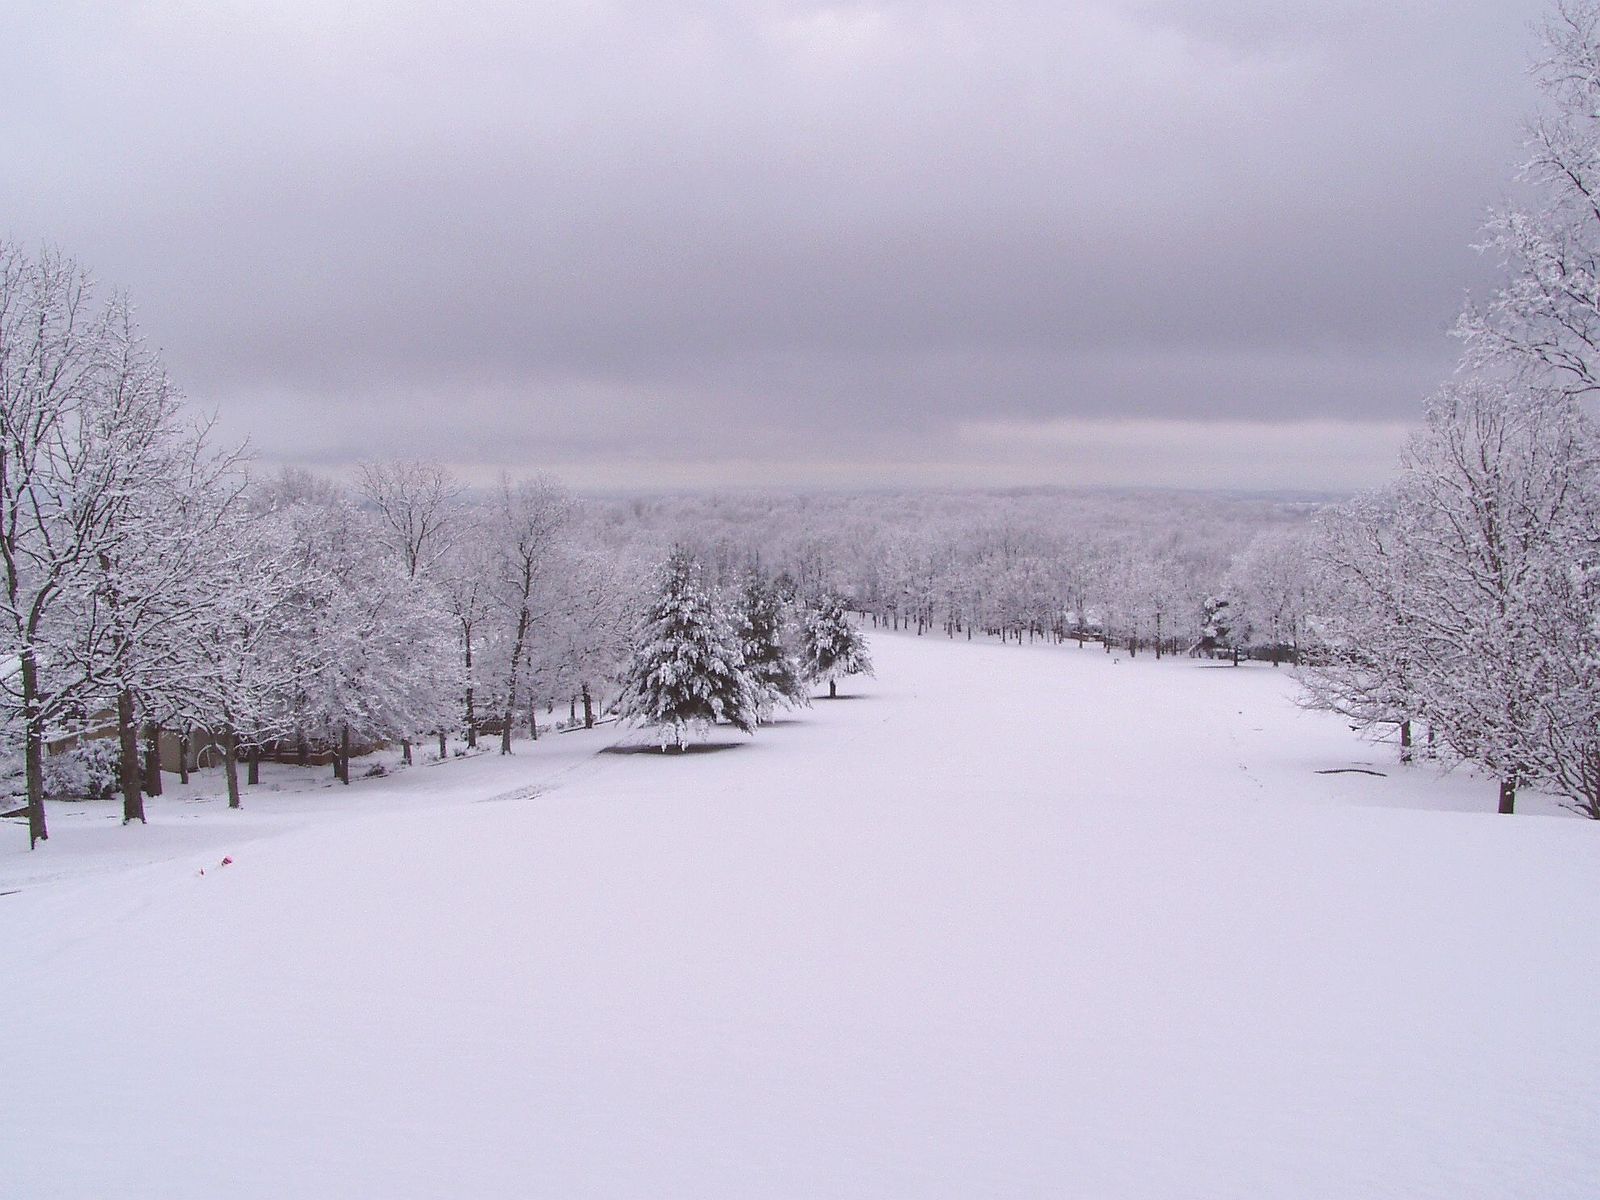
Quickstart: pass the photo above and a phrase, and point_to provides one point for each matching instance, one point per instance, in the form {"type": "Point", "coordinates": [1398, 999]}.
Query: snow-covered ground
{"type": "Point", "coordinates": [1008, 921]}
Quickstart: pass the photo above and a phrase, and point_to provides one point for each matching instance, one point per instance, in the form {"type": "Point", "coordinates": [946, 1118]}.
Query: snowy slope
{"type": "Point", "coordinates": [1012, 921]}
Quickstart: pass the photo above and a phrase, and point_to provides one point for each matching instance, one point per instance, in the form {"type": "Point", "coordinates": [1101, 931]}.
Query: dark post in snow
{"type": "Point", "coordinates": [588, 708]}
{"type": "Point", "coordinates": [1508, 793]}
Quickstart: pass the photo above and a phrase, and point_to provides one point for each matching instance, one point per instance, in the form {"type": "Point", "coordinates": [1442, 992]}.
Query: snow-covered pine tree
{"type": "Point", "coordinates": [831, 647]}
{"type": "Point", "coordinates": [773, 672]}
{"type": "Point", "coordinates": [686, 672]}
{"type": "Point", "coordinates": [1227, 625]}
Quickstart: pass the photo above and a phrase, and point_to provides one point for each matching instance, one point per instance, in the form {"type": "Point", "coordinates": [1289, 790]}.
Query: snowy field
{"type": "Point", "coordinates": [1008, 921]}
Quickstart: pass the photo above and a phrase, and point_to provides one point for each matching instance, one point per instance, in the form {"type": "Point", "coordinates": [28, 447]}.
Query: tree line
{"type": "Point", "coordinates": [153, 585]}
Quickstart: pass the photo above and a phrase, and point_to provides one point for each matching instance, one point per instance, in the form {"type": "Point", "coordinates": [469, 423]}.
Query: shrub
{"type": "Point", "coordinates": [88, 771]}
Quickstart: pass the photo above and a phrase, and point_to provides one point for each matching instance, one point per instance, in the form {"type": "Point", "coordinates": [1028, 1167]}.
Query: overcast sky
{"type": "Point", "coordinates": [668, 243]}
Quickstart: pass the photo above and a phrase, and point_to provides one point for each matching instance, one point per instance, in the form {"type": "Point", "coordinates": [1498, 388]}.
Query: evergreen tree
{"type": "Point", "coordinates": [686, 671]}
{"type": "Point", "coordinates": [832, 647]}
{"type": "Point", "coordinates": [774, 675]}
{"type": "Point", "coordinates": [1227, 625]}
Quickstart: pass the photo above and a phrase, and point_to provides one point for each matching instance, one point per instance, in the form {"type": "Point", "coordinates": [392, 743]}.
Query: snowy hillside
{"type": "Point", "coordinates": [1005, 921]}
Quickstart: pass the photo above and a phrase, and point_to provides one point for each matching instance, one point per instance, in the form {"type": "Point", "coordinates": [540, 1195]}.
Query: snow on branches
{"type": "Point", "coordinates": [687, 671]}
{"type": "Point", "coordinates": [831, 647]}
{"type": "Point", "coordinates": [1463, 595]}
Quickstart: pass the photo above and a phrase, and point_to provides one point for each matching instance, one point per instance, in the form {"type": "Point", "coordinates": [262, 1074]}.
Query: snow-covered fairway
{"type": "Point", "coordinates": [1015, 922]}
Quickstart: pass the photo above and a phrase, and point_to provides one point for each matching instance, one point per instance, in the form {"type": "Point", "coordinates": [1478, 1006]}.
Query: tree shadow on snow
{"type": "Point", "coordinates": [671, 752]}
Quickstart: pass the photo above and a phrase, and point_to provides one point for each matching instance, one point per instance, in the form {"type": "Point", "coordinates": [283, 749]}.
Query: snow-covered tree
{"type": "Point", "coordinates": [1448, 577]}
{"type": "Point", "coordinates": [1567, 677]}
{"type": "Point", "coordinates": [416, 504]}
{"type": "Point", "coordinates": [1491, 491]}
{"type": "Point", "coordinates": [146, 599]}
{"type": "Point", "coordinates": [380, 640]}
{"type": "Point", "coordinates": [686, 672]}
{"type": "Point", "coordinates": [831, 647]}
{"type": "Point", "coordinates": [1269, 581]}
{"type": "Point", "coordinates": [466, 580]}
{"type": "Point", "coordinates": [247, 665]}
{"type": "Point", "coordinates": [87, 423]}
{"type": "Point", "coordinates": [774, 675]}
{"type": "Point", "coordinates": [1363, 580]}
{"type": "Point", "coordinates": [589, 637]}
{"type": "Point", "coordinates": [1226, 625]}
{"type": "Point", "coordinates": [526, 523]}
{"type": "Point", "coordinates": [1545, 320]}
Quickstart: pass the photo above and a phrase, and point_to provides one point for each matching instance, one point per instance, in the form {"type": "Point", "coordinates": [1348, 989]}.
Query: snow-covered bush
{"type": "Point", "coordinates": [86, 772]}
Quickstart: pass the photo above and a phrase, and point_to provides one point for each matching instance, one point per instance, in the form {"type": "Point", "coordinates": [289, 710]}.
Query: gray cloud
{"type": "Point", "coordinates": [576, 234]}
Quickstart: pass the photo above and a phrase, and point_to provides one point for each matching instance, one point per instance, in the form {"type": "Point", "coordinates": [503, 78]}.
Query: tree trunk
{"type": "Point", "coordinates": [833, 689]}
{"type": "Point", "coordinates": [1508, 793]}
{"type": "Point", "coordinates": [472, 716]}
{"type": "Point", "coordinates": [252, 756]}
{"type": "Point", "coordinates": [405, 751]}
{"type": "Point", "coordinates": [303, 749]}
{"type": "Point", "coordinates": [152, 759]}
{"type": "Point", "coordinates": [183, 757]}
{"type": "Point", "coordinates": [344, 755]}
{"type": "Point", "coordinates": [128, 737]}
{"type": "Point", "coordinates": [444, 751]}
{"type": "Point", "coordinates": [588, 708]}
{"type": "Point", "coordinates": [518, 642]}
{"type": "Point", "coordinates": [533, 718]}
{"type": "Point", "coordinates": [1405, 740]}
{"type": "Point", "coordinates": [33, 752]}
{"type": "Point", "coordinates": [230, 764]}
